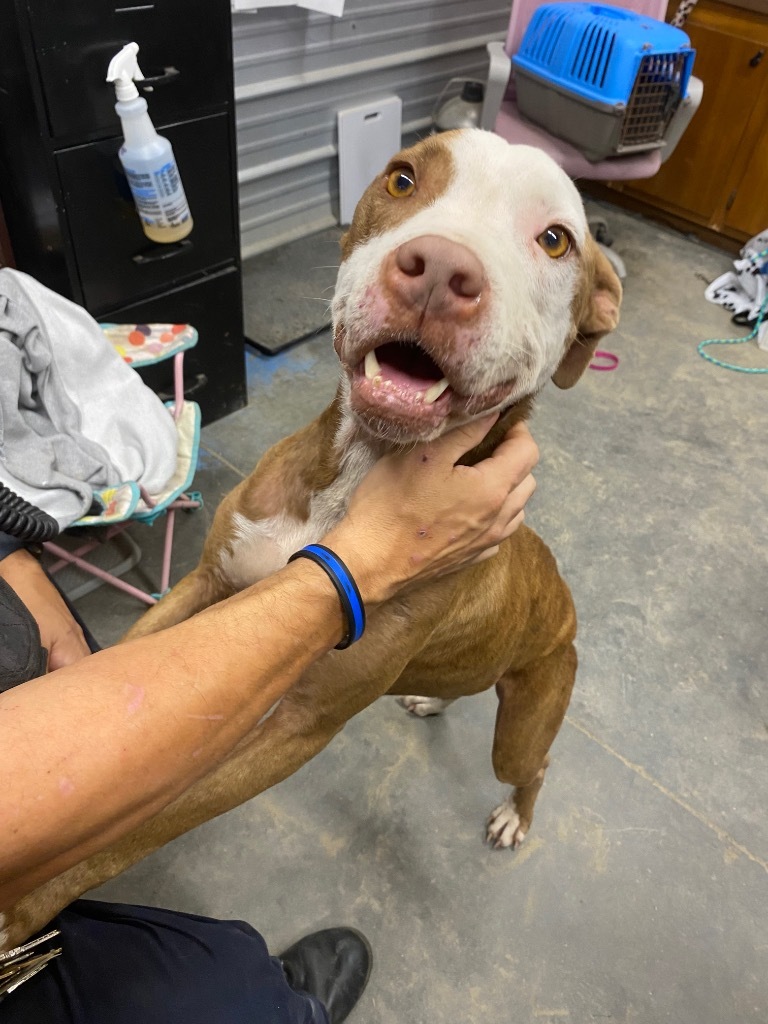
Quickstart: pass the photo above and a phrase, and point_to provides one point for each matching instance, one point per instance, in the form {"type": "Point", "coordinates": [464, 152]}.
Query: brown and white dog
{"type": "Point", "coordinates": [468, 279]}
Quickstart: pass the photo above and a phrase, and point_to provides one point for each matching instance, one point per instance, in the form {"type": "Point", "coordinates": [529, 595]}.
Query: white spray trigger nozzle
{"type": "Point", "coordinates": [123, 70]}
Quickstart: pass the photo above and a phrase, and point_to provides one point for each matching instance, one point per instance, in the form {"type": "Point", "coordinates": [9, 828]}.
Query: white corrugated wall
{"type": "Point", "coordinates": [295, 69]}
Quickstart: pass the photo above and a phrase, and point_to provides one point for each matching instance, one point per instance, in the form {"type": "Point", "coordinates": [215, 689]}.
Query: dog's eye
{"type": "Point", "coordinates": [400, 183]}
{"type": "Point", "coordinates": [555, 242]}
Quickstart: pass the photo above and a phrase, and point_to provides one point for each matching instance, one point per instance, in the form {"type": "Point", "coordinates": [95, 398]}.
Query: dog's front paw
{"type": "Point", "coordinates": [505, 828]}
{"type": "Point", "coordinates": [423, 706]}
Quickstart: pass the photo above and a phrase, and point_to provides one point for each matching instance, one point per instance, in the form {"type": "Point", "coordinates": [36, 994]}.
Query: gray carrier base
{"type": "Point", "coordinates": [598, 130]}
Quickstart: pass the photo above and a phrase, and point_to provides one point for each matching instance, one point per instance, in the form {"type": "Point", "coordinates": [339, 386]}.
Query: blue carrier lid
{"type": "Point", "coordinates": [596, 51]}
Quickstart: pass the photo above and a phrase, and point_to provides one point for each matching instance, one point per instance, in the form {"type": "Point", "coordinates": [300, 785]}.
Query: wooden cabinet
{"type": "Point", "coordinates": [716, 181]}
{"type": "Point", "coordinates": [746, 208]}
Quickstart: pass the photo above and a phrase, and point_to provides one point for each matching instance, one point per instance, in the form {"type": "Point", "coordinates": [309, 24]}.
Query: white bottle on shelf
{"type": "Point", "coordinates": [147, 157]}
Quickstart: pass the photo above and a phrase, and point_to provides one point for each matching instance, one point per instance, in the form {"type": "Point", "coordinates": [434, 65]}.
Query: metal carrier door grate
{"type": "Point", "coordinates": [655, 96]}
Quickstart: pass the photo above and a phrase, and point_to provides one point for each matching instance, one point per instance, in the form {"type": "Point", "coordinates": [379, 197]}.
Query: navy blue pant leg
{"type": "Point", "coordinates": [141, 965]}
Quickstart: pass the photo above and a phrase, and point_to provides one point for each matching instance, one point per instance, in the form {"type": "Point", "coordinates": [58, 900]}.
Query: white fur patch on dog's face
{"type": "Point", "coordinates": [496, 202]}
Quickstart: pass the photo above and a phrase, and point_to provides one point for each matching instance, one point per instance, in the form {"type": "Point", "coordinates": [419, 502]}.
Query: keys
{"type": "Point", "coordinates": [22, 963]}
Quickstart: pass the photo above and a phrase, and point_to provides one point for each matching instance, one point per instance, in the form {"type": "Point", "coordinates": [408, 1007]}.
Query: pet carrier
{"type": "Point", "coordinates": [605, 79]}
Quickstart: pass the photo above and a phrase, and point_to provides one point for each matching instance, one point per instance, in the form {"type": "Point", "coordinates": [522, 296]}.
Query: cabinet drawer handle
{"type": "Point", "coordinates": [757, 58]}
{"type": "Point", "coordinates": [162, 252]}
{"type": "Point", "coordinates": [169, 74]}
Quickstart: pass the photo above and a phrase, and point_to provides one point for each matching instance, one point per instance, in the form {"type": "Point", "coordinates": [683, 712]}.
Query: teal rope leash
{"type": "Point", "coordinates": [738, 341]}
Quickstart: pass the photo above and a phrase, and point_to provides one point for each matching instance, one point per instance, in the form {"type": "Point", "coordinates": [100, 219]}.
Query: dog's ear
{"type": "Point", "coordinates": [596, 312]}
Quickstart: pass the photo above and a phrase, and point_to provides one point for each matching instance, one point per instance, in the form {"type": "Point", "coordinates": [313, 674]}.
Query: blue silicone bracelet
{"type": "Point", "coordinates": [346, 588]}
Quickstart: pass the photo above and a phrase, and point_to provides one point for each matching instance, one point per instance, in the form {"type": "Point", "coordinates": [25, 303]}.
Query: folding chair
{"type": "Point", "coordinates": [141, 345]}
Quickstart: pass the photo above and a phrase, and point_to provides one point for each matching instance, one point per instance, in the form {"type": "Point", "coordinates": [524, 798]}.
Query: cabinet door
{"type": "Point", "coordinates": [747, 203]}
{"type": "Point", "coordinates": [75, 40]}
{"type": "Point", "coordinates": [693, 180]}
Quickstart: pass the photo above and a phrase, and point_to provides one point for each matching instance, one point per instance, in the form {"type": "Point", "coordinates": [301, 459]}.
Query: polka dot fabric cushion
{"type": "Point", "coordinates": [144, 344]}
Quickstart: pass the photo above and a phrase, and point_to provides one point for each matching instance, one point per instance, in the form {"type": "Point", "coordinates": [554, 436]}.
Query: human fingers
{"type": "Point", "coordinates": [514, 505]}
{"type": "Point", "coordinates": [514, 458]}
{"type": "Point", "coordinates": [502, 533]}
{"type": "Point", "coordinates": [462, 439]}
{"type": "Point", "coordinates": [415, 517]}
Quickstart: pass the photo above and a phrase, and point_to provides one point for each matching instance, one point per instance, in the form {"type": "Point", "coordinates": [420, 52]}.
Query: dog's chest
{"type": "Point", "coordinates": [258, 548]}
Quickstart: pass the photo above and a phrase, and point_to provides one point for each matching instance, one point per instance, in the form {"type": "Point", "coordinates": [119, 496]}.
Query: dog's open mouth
{"type": "Point", "coordinates": [401, 391]}
{"type": "Point", "coordinates": [406, 369]}
{"type": "Point", "coordinates": [400, 379]}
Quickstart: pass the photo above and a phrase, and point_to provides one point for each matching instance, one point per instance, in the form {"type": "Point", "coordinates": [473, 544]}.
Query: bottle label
{"type": "Point", "coordinates": [159, 196]}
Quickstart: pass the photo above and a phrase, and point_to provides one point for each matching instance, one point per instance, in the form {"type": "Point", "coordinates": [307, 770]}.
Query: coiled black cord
{"type": "Point", "coordinates": [24, 521]}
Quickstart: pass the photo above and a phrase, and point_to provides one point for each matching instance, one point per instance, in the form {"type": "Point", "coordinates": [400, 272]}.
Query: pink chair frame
{"type": "Point", "coordinates": [184, 501]}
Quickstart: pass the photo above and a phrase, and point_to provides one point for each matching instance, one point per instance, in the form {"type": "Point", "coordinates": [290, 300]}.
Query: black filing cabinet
{"type": "Point", "coordinates": [69, 212]}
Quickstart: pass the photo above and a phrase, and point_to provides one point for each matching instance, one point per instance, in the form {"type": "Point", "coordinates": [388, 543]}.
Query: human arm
{"type": "Point", "coordinates": [59, 633]}
{"type": "Point", "coordinates": [92, 750]}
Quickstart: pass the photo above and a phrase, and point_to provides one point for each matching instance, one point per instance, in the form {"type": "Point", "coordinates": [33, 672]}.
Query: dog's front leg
{"type": "Point", "coordinates": [197, 590]}
{"type": "Point", "coordinates": [532, 705]}
{"type": "Point", "coordinates": [274, 751]}
{"type": "Point", "coordinates": [339, 686]}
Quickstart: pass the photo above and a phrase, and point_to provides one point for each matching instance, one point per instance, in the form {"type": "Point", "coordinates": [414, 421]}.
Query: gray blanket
{"type": "Point", "coordinates": [74, 418]}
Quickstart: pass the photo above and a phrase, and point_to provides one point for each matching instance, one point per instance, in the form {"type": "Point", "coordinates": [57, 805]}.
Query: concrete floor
{"type": "Point", "coordinates": [641, 894]}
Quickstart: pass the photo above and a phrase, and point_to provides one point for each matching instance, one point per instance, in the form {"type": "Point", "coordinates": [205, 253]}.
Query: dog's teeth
{"type": "Point", "coordinates": [433, 393]}
{"type": "Point", "coordinates": [372, 368]}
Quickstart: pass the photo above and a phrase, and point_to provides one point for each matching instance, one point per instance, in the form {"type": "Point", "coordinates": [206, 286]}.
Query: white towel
{"type": "Point", "coordinates": [744, 289]}
{"type": "Point", "coordinates": [73, 416]}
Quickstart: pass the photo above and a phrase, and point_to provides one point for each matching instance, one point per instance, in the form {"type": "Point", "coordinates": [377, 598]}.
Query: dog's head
{"type": "Point", "coordinates": [468, 278]}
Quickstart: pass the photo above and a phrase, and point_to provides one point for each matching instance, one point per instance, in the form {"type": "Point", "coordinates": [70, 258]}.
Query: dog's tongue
{"type": "Point", "coordinates": [406, 367]}
{"type": "Point", "coordinates": [402, 379]}
{"type": "Point", "coordinates": [406, 370]}
{"type": "Point", "coordinates": [407, 364]}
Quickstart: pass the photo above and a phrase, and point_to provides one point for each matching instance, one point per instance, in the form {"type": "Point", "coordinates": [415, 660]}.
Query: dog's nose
{"type": "Point", "coordinates": [435, 271]}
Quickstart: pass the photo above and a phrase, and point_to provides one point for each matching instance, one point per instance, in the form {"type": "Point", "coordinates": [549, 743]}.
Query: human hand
{"type": "Point", "coordinates": [418, 515]}
{"type": "Point", "coordinates": [59, 633]}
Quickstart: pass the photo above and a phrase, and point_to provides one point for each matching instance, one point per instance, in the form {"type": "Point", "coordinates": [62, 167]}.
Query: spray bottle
{"type": "Point", "coordinates": [147, 157]}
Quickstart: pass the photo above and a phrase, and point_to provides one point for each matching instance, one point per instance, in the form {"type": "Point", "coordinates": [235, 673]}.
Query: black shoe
{"type": "Point", "coordinates": [333, 966]}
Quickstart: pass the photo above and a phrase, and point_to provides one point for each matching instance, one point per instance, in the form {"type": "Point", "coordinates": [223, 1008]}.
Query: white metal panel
{"type": "Point", "coordinates": [368, 135]}
{"type": "Point", "coordinates": [294, 70]}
